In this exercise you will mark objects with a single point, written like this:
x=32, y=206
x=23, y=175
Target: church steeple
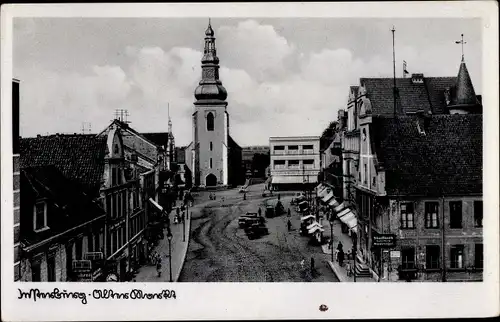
x=210, y=87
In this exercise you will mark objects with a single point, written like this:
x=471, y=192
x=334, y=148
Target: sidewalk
x=346, y=241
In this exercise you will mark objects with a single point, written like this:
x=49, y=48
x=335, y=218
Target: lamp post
x=331, y=234
x=169, y=237
x=183, y=224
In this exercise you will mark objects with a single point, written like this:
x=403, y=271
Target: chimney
x=417, y=78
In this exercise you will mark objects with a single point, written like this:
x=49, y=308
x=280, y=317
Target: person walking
x=341, y=257
x=158, y=267
x=260, y=212
x=289, y=213
x=340, y=246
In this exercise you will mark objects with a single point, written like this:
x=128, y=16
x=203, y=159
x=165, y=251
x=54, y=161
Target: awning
x=288, y=179
x=307, y=217
x=321, y=191
x=333, y=203
x=160, y=208
x=349, y=218
x=339, y=208
x=314, y=224
x=314, y=229
x=327, y=197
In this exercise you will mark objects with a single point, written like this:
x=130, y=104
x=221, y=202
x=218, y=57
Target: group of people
x=179, y=217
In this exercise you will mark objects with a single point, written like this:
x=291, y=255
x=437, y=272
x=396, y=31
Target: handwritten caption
x=97, y=294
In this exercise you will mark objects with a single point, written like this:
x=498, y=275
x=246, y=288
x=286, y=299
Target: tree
x=328, y=135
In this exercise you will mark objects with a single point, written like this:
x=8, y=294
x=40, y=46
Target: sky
x=284, y=76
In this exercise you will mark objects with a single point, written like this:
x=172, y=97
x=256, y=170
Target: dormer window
x=40, y=217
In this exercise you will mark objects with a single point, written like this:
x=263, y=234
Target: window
x=457, y=256
x=478, y=213
x=307, y=147
x=407, y=215
x=455, y=214
x=431, y=215
x=408, y=258
x=432, y=253
x=279, y=164
x=309, y=161
x=280, y=148
x=210, y=122
x=478, y=256
x=40, y=216
x=51, y=268
x=365, y=172
x=36, y=271
x=293, y=147
x=210, y=163
x=293, y=163
x=211, y=146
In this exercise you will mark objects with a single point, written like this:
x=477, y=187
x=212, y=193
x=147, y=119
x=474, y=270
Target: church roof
x=446, y=160
x=210, y=92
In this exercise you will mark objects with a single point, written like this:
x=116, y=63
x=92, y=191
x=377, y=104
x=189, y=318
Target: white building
x=295, y=161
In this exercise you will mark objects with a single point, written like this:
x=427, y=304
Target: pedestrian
x=289, y=213
x=158, y=268
x=341, y=257
x=289, y=225
x=340, y=246
x=260, y=212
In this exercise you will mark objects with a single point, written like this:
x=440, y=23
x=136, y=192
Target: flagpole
x=394, y=68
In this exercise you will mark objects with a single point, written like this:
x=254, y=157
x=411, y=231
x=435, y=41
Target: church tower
x=210, y=122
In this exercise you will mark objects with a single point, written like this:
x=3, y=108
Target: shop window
x=455, y=214
x=431, y=215
x=408, y=258
x=478, y=213
x=432, y=256
x=293, y=163
x=478, y=256
x=40, y=216
x=293, y=147
x=457, y=256
x=51, y=268
x=36, y=271
x=407, y=216
x=210, y=122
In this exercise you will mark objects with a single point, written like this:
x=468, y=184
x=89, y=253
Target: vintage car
x=249, y=218
x=256, y=230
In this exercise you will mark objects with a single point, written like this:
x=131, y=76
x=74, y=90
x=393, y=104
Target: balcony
x=308, y=152
x=278, y=152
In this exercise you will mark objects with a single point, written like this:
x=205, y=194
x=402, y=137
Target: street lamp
x=169, y=237
x=183, y=224
x=331, y=234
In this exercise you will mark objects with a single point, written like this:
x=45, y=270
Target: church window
x=211, y=146
x=210, y=122
x=210, y=163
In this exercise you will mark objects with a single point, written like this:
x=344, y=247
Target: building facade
x=295, y=161
x=413, y=170
x=213, y=157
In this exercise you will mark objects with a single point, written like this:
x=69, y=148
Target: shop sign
x=395, y=254
x=384, y=240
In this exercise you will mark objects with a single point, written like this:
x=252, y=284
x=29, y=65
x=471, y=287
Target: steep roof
x=158, y=138
x=68, y=205
x=232, y=143
x=446, y=160
x=465, y=94
x=79, y=157
x=427, y=96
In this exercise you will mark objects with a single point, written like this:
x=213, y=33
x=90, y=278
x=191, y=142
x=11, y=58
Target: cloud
x=273, y=89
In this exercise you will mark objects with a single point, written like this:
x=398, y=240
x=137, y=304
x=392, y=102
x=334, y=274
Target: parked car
x=250, y=217
x=256, y=230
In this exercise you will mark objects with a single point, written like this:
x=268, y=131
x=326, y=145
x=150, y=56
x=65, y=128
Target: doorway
x=211, y=180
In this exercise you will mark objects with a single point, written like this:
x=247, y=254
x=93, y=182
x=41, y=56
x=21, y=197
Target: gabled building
x=412, y=164
x=96, y=166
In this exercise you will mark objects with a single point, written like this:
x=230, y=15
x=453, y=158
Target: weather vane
x=462, y=42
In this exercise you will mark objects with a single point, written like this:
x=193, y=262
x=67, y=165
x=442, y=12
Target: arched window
x=210, y=122
x=210, y=163
x=211, y=146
